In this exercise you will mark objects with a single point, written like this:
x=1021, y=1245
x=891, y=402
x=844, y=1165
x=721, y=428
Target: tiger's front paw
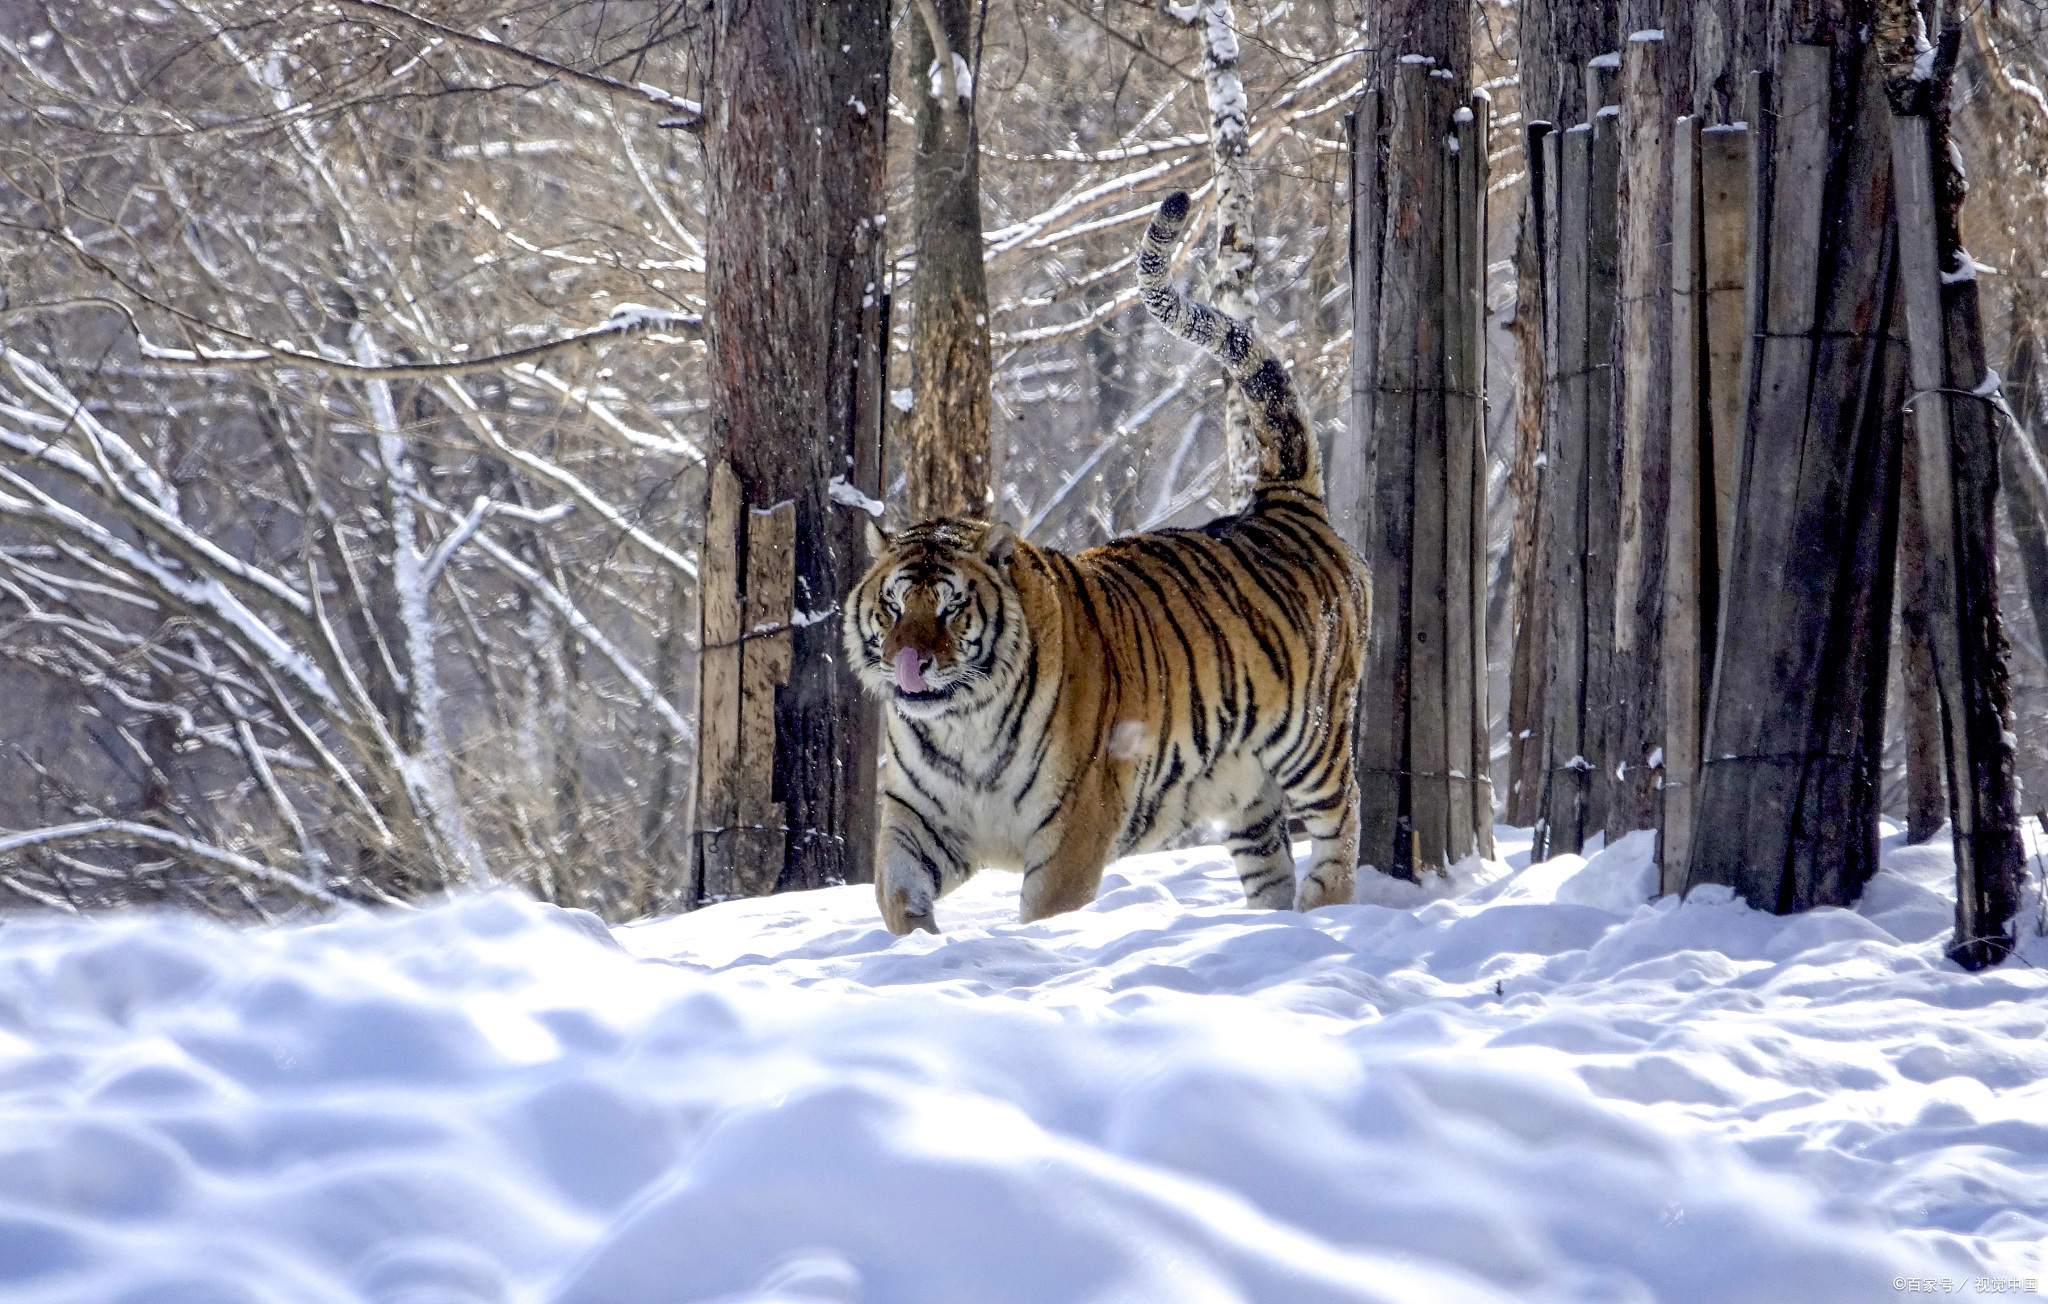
x=903, y=910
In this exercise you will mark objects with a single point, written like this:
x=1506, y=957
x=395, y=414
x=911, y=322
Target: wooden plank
x=1841, y=542
x=1349, y=489
x=1461, y=421
x=1920, y=288
x=1384, y=823
x=1529, y=741
x=759, y=842
x=864, y=734
x=1564, y=554
x=1955, y=452
x=1603, y=82
x=1990, y=896
x=1642, y=435
x=1428, y=745
x=1473, y=176
x=1919, y=690
x=1749, y=784
x=1724, y=168
x=1642, y=361
x=718, y=689
x=1603, y=462
x=1686, y=523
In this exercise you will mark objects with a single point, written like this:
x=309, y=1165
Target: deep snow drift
x=1536, y=1088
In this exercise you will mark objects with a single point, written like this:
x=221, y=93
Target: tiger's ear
x=878, y=542
x=997, y=543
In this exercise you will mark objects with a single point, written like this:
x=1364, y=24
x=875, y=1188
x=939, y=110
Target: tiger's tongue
x=909, y=677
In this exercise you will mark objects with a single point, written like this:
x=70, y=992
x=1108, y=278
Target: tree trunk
x=1427, y=29
x=793, y=150
x=1236, y=255
x=947, y=460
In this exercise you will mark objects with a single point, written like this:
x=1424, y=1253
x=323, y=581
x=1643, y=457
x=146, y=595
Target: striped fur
x=1082, y=707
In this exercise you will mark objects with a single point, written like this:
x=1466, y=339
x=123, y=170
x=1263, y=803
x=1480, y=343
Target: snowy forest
x=439, y=444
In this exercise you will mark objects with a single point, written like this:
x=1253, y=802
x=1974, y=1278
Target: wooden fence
x=1720, y=484
x=1410, y=488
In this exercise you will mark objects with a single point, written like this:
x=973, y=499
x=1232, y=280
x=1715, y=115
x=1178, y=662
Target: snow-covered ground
x=1539, y=1087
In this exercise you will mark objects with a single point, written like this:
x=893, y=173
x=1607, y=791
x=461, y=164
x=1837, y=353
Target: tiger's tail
x=1288, y=457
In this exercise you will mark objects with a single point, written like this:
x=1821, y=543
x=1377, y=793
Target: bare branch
x=110, y=830
x=626, y=319
x=691, y=113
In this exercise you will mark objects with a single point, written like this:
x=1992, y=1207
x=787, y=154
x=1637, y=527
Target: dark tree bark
x=1926, y=800
x=947, y=459
x=793, y=162
x=1729, y=39
x=1789, y=792
x=1407, y=330
x=1990, y=860
x=1427, y=28
x=1557, y=39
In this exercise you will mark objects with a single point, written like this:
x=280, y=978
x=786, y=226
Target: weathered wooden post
x=1709, y=268
x=1689, y=522
x=1643, y=362
x=1787, y=804
x=1418, y=357
x=745, y=657
x=1468, y=379
x=1581, y=491
x=1526, y=744
x=1956, y=456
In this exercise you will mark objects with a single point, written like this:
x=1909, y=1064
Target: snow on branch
x=690, y=114
x=111, y=830
x=569, y=482
x=661, y=325
x=1100, y=313
x=203, y=595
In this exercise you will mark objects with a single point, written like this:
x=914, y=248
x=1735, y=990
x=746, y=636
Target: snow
x=1612, y=59
x=629, y=317
x=1965, y=269
x=846, y=495
x=1526, y=1084
x=1923, y=62
x=1647, y=34
x=963, y=81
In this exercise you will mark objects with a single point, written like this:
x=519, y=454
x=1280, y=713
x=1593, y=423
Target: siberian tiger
x=1051, y=712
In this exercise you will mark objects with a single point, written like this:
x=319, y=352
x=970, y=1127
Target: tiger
x=1051, y=712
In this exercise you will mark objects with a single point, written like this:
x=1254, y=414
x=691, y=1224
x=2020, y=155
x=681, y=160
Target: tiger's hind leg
x=1332, y=822
x=1258, y=845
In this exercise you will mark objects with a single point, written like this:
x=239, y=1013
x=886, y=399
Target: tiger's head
x=937, y=625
